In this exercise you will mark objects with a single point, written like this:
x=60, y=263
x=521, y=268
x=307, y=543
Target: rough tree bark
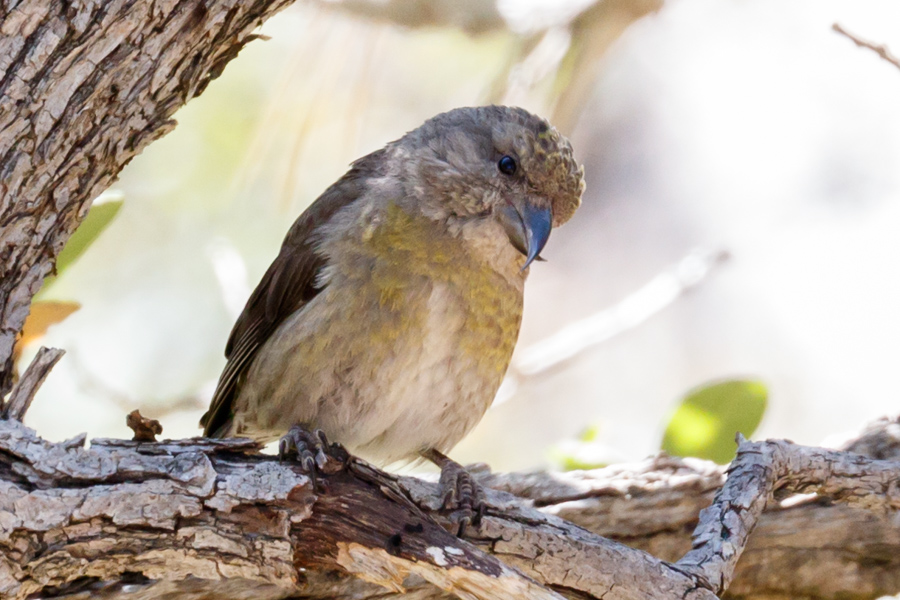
x=198, y=518
x=84, y=86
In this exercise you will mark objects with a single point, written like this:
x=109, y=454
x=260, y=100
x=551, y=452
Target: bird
x=388, y=319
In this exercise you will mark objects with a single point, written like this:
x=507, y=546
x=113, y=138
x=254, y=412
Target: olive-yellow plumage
x=390, y=315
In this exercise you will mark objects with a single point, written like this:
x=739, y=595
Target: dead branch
x=27, y=386
x=802, y=547
x=761, y=469
x=879, y=49
x=635, y=309
x=179, y=512
x=202, y=517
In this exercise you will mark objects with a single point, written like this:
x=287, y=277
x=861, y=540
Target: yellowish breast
x=413, y=255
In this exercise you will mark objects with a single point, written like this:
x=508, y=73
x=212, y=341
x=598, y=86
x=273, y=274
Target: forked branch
x=203, y=516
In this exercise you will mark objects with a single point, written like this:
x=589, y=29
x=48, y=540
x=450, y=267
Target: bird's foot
x=313, y=451
x=463, y=495
x=460, y=493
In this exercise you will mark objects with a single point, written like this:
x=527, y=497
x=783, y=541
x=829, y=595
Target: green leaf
x=585, y=452
x=97, y=219
x=576, y=455
x=705, y=423
x=102, y=212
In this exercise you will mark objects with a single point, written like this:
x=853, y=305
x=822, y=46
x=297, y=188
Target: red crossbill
x=388, y=318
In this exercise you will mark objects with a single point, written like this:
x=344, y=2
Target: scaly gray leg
x=460, y=492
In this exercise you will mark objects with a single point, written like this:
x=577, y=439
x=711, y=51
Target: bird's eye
x=507, y=165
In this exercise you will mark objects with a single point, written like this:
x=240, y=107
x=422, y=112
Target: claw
x=463, y=522
x=460, y=492
x=315, y=455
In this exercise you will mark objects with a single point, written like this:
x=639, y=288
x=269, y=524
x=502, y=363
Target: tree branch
x=84, y=87
x=761, y=469
x=25, y=389
x=802, y=547
x=879, y=49
x=203, y=517
x=121, y=511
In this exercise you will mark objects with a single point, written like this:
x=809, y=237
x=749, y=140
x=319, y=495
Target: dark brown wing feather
x=288, y=284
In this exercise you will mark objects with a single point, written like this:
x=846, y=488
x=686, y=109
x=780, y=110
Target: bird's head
x=494, y=166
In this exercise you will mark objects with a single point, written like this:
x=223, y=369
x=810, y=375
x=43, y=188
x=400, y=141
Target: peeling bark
x=802, y=547
x=125, y=514
x=212, y=518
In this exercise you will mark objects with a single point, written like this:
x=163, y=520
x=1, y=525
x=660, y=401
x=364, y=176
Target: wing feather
x=289, y=283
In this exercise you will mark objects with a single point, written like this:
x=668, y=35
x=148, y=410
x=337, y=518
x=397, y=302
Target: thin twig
x=881, y=50
x=24, y=391
x=654, y=296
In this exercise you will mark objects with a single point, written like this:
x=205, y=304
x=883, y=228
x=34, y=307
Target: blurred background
x=741, y=224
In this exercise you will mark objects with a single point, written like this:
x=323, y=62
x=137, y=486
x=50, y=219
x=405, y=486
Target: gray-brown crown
x=545, y=155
